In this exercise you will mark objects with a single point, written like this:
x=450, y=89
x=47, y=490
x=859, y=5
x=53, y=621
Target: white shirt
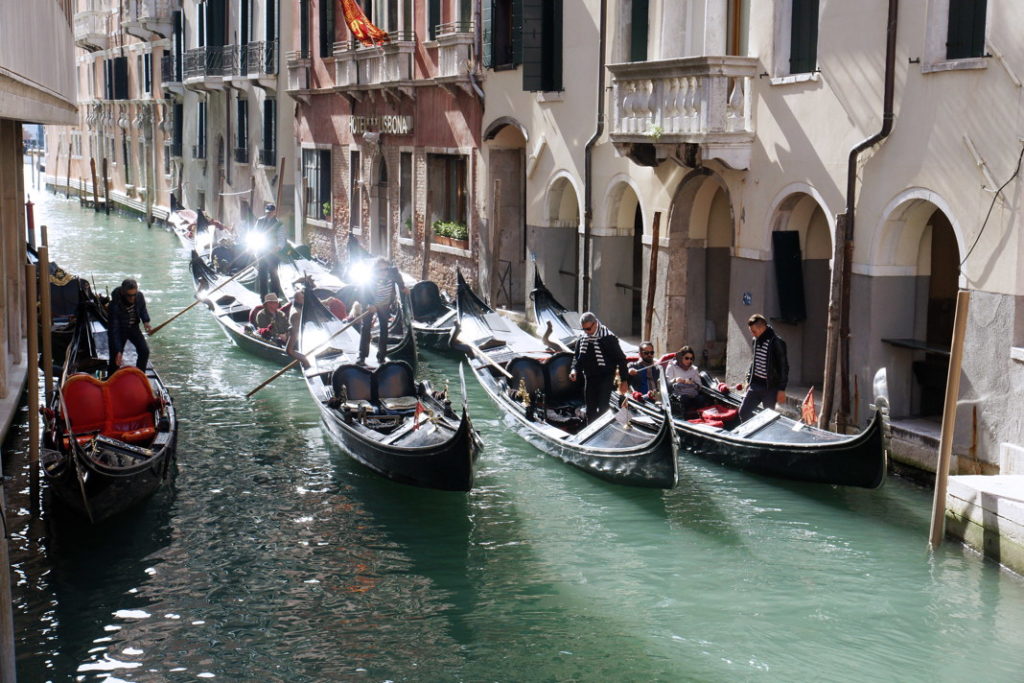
x=675, y=371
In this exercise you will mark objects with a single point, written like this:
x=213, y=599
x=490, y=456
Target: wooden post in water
x=106, y=188
x=46, y=316
x=34, y=282
x=30, y=222
x=652, y=276
x=95, y=191
x=956, y=355
x=68, y=195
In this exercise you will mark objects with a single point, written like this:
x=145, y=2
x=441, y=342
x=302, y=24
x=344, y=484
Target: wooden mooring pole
x=46, y=314
x=956, y=356
x=34, y=282
x=95, y=190
x=106, y=188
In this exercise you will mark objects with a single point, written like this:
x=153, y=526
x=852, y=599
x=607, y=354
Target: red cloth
x=363, y=30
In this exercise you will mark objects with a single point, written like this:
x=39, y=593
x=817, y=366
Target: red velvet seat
x=85, y=404
x=719, y=413
x=131, y=404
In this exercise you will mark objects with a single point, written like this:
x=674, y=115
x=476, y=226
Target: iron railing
x=267, y=157
x=241, y=155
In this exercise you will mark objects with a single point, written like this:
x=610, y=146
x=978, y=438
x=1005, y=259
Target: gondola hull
x=643, y=454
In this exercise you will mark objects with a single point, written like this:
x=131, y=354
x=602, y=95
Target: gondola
x=381, y=416
x=109, y=441
x=433, y=316
x=564, y=324
x=774, y=445
x=531, y=387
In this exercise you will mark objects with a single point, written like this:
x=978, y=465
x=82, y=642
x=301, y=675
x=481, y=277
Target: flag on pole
x=416, y=416
x=362, y=28
x=807, y=411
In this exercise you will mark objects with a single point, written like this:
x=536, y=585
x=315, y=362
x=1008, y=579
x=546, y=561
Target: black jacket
x=119, y=325
x=778, y=363
x=585, y=357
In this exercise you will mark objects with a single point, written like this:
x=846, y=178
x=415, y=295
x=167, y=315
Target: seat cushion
x=400, y=403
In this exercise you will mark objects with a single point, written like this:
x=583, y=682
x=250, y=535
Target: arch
x=564, y=207
x=896, y=240
x=621, y=201
x=497, y=125
x=558, y=241
x=786, y=200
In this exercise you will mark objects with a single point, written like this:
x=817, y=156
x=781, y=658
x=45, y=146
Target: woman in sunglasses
x=684, y=379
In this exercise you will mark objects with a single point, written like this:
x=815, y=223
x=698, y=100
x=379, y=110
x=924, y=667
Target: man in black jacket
x=769, y=368
x=597, y=356
x=127, y=309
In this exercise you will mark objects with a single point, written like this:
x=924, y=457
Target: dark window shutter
x=639, y=30
x=532, y=44
x=324, y=185
x=120, y=78
x=433, y=18
x=326, y=28
x=304, y=29
x=269, y=117
x=965, y=36
x=270, y=25
x=517, y=31
x=553, y=46
x=803, y=48
x=243, y=122
x=487, y=12
x=789, y=276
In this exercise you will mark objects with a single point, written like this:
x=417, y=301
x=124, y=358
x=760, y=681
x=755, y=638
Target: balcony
x=703, y=101
x=298, y=75
x=170, y=74
x=91, y=30
x=259, y=61
x=387, y=68
x=146, y=17
x=454, y=55
x=204, y=68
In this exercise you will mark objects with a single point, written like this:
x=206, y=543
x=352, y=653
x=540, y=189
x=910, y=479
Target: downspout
x=588, y=163
x=839, y=296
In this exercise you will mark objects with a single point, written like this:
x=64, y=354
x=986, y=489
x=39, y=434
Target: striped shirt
x=383, y=290
x=587, y=341
x=761, y=359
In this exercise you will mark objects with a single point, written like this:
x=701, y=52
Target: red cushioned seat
x=719, y=413
x=85, y=404
x=131, y=403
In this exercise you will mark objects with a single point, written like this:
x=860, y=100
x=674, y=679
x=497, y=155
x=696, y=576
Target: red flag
x=363, y=30
x=416, y=416
x=807, y=411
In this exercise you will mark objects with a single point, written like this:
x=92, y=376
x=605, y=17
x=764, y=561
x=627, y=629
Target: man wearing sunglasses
x=598, y=355
x=127, y=309
x=769, y=369
x=644, y=373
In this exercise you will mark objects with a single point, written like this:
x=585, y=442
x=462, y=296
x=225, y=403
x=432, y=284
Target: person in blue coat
x=127, y=309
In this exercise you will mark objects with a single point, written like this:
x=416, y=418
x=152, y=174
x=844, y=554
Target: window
x=126, y=155
x=447, y=191
x=242, y=136
x=405, y=227
x=542, y=45
x=178, y=128
x=803, y=45
x=355, y=175
x=200, y=148
x=269, y=150
x=639, y=30
x=433, y=18
x=115, y=72
x=304, y=29
x=316, y=176
x=326, y=28
x=965, y=36
x=147, y=73
x=503, y=21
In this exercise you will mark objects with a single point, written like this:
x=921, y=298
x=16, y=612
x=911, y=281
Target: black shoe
x=361, y=361
x=381, y=359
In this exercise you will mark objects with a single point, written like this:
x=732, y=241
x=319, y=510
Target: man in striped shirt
x=769, y=369
x=379, y=295
x=597, y=356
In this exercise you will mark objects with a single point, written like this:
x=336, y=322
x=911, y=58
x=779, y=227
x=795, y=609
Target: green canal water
x=274, y=557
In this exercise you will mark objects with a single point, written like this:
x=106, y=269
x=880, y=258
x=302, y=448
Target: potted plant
x=326, y=209
x=451, y=233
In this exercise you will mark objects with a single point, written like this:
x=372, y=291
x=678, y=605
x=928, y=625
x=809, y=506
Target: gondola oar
x=477, y=351
x=314, y=352
x=198, y=300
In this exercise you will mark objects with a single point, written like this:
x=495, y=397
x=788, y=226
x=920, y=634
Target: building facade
x=388, y=133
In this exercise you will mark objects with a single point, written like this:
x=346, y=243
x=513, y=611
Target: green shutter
x=803, y=49
x=965, y=37
x=553, y=29
x=640, y=30
x=517, y=32
x=433, y=18
x=532, y=44
x=487, y=11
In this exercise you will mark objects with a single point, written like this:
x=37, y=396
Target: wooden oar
x=314, y=352
x=198, y=300
x=477, y=351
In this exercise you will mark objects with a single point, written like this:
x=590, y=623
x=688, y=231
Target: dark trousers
x=138, y=340
x=596, y=392
x=758, y=393
x=366, y=331
x=266, y=276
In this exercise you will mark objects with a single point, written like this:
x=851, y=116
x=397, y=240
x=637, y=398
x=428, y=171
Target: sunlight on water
x=274, y=556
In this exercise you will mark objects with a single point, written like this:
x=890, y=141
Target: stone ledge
x=987, y=513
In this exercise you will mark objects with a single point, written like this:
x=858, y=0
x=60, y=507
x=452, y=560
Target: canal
x=274, y=557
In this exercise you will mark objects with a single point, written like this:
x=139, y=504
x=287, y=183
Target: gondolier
x=127, y=310
x=769, y=369
x=273, y=239
x=380, y=295
x=598, y=355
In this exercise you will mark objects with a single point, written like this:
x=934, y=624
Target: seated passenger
x=271, y=322
x=683, y=379
x=336, y=306
x=644, y=373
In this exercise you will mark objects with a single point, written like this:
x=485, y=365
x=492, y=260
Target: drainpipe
x=588, y=164
x=839, y=296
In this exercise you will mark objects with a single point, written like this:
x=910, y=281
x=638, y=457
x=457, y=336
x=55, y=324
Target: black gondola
x=531, y=387
x=109, y=441
x=769, y=443
x=381, y=417
x=564, y=324
x=433, y=316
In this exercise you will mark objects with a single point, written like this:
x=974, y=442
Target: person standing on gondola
x=127, y=309
x=271, y=231
x=598, y=355
x=769, y=369
x=379, y=296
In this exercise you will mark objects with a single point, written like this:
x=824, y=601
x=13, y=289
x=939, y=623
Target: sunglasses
x=589, y=328
x=647, y=353
x=132, y=296
x=687, y=357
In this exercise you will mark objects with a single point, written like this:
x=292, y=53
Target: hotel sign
x=392, y=124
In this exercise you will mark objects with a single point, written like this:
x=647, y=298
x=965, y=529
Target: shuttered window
x=269, y=132
x=639, y=30
x=316, y=173
x=542, y=45
x=242, y=115
x=433, y=18
x=803, y=49
x=965, y=36
x=326, y=28
x=503, y=23
x=304, y=29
